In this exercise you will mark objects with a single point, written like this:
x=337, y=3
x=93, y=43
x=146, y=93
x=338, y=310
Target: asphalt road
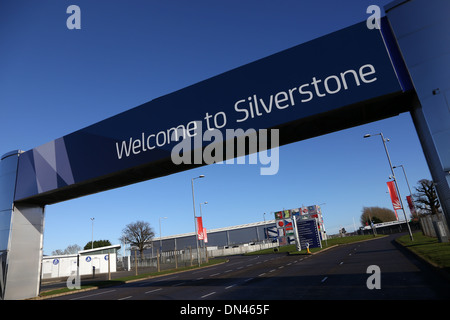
x=340, y=273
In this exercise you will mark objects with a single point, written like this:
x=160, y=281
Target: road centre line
x=324, y=279
x=153, y=290
x=206, y=269
x=159, y=280
x=215, y=274
x=125, y=298
x=230, y=286
x=178, y=284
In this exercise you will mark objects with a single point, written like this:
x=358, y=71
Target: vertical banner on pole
x=205, y=236
x=394, y=197
x=411, y=206
x=199, y=228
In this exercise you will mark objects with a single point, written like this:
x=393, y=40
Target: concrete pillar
x=21, y=237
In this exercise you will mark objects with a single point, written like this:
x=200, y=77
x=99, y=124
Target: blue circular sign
x=88, y=259
x=55, y=261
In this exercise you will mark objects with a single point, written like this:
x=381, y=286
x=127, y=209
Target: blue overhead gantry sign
x=330, y=83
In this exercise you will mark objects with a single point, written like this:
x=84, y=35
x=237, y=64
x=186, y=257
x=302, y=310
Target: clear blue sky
x=54, y=81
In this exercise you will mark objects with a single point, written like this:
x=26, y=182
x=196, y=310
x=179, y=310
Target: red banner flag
x=199, y=228
x=394, y=197
x=411, y=206
x=205, y=236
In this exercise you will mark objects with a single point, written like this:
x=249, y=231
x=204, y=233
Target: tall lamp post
x=160, y=234
x=195, y=222
x=92, y=241
x=393, y=177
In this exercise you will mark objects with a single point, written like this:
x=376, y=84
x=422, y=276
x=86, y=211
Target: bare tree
x=426, y=199
x=139, y=234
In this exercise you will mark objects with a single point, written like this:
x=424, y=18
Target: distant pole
x=109, y=266
x=92, y=242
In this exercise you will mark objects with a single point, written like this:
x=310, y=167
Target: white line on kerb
x=211, y=293
x=178, y=284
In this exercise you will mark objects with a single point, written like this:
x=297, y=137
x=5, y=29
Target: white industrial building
x=102, y=259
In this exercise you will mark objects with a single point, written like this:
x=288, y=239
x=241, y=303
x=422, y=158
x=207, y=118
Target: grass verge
x=429, y=249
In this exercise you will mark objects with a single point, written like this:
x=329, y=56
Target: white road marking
x=92, y=295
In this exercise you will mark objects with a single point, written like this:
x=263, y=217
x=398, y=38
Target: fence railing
x=183, y=258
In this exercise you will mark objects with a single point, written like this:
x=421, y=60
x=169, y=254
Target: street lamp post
x=195, y=222
x=393, y=177
x=206, y=202
x=160, y=234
